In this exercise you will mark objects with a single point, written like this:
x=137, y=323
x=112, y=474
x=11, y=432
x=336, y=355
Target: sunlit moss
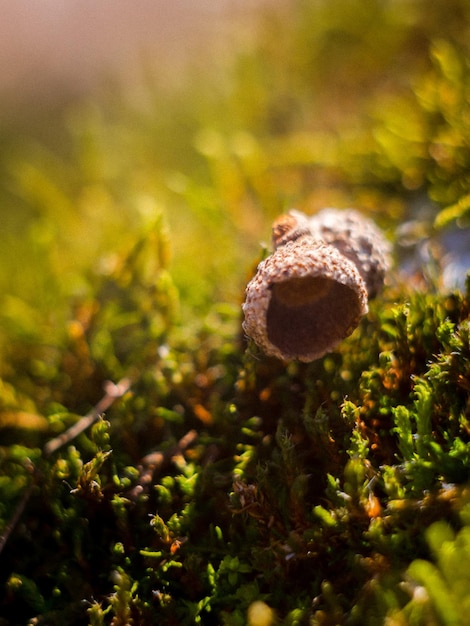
x=223, y=487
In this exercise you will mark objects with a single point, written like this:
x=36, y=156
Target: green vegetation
x=219, y=486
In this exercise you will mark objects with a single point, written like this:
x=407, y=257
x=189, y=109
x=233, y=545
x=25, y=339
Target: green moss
x=220, y=486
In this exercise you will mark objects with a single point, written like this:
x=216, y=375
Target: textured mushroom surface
x=304, y=299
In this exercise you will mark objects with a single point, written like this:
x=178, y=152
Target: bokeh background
x=219, y=116
x=101, y=106
x=52, y=49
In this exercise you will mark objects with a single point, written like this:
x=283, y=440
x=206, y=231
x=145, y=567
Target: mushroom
x=312, y=291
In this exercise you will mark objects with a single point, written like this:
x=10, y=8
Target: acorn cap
x=289, y=227
x=359, y=239
x=304, y=299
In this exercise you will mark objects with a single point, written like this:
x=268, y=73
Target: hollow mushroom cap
x=357, y=238
x=303, y=300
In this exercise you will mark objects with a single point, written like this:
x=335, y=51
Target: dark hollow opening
x=307, y=315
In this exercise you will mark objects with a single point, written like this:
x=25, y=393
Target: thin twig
x=112, y=393
x=155, y=461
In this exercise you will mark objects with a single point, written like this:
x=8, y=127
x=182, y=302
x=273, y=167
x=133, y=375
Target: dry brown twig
x=155, y=461
x=113, y=391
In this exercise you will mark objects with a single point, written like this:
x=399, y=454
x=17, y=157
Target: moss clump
x=220, y=480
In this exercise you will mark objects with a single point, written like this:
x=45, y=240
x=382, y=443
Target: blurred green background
x=239, y=113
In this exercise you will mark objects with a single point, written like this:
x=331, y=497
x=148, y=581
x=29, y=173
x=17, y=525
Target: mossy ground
x=335, y=492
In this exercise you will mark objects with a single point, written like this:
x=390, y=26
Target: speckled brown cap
x=289, y=227
x=357, y=238
x=304, y=299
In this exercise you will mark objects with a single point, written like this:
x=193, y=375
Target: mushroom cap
x=303, y=300
x=359, y=239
